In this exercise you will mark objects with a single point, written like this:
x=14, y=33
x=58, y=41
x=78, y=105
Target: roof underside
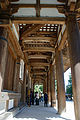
x=42, y=29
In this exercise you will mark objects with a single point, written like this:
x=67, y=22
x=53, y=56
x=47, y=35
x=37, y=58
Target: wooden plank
x=39, y=49
x=38, y=20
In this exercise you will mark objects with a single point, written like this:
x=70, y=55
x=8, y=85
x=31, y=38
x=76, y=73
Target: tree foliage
x=38, y=88
x=56, y=85
x=69, y=86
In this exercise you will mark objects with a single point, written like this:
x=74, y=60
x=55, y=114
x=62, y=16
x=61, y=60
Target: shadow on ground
x=39, y=113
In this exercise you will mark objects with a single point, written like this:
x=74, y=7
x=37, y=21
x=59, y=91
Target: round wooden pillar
x=60, y=82
x=74, y=50
x=48, y=89
x=3, y=54
x=17, y=72
x=23, y=89
x=52, y=84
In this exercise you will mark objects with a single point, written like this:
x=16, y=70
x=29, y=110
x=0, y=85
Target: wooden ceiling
x=39, y=35
x=38, y=42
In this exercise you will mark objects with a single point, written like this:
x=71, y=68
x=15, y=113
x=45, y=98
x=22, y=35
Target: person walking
x=45, y=99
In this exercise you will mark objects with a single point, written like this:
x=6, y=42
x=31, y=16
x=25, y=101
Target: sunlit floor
x=45, y=113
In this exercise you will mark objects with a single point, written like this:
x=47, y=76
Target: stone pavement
x=45, y=113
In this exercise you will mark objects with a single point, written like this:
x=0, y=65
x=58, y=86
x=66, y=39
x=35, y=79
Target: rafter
x=38, y=67
x=39, y=73
x=39, y=77
x=39, y=49
x=38, y=57
x=30, y=30
x=36, y=43
x=43, y=39
x=64, y=38
x=39, y=64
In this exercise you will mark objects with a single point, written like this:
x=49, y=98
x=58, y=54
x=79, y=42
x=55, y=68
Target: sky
x=66, y=76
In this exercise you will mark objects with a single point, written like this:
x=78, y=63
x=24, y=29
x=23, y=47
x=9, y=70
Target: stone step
x=11, y=113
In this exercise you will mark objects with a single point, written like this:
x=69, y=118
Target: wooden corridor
x=39, y=41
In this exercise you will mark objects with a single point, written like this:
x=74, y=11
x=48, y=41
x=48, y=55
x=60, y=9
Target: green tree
x=41, y=88
x=69, y=86
x=38, y=88
x=56, y=85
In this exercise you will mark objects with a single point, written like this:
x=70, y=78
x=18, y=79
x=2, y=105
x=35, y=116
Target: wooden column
x=44, y=87
x=23, y=90
x=17, y=73
x=3, y=54
x=60, y=82
x=46, y=84
x=10, y=71
x=29, y=86
x=48, y=92
x=74, y=49
x=52, y=84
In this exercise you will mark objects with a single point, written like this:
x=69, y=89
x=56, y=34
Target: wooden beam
x=30, y=30
x=34, y=5
x=38, y=8
x=63, y=1
x=4, y=23
x=4, y=4
x=39, y=73
x=38, y=57
x=37, y=77
x=39, y=49
x=47, y=32
x=13, y=0
x=72, y=6
x=38, y=20
x=39, y=64
x=64, y=38
x=36, y=43
x=78, y=6
x=43, y=39
x=38, y=67
x=15, y=42
x=38, y=80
